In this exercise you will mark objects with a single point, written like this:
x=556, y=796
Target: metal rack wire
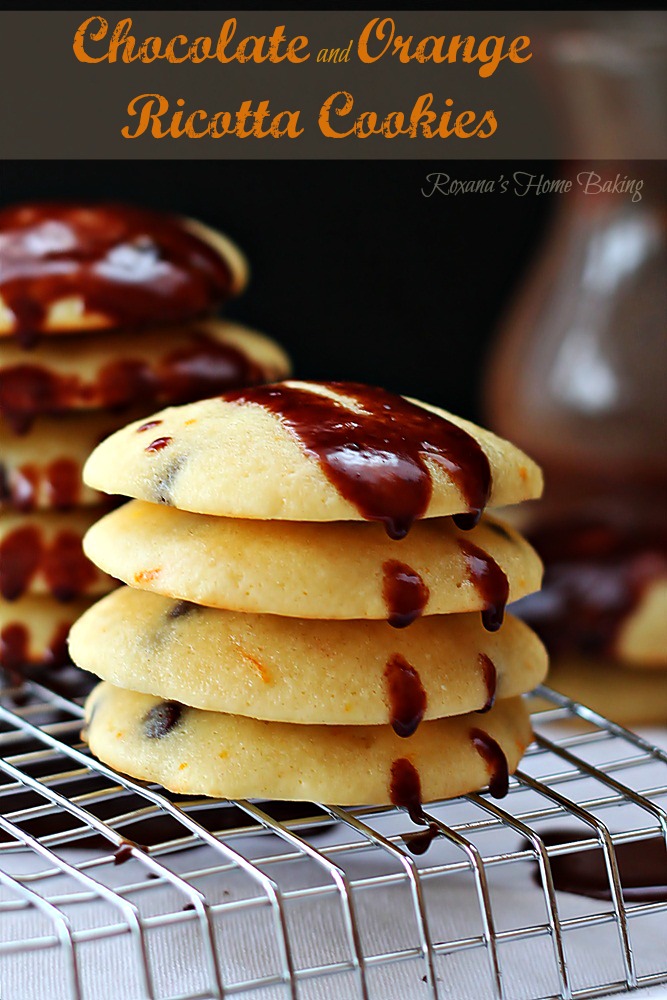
x=113, y=888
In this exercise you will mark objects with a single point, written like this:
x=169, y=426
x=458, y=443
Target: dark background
x=356, y=273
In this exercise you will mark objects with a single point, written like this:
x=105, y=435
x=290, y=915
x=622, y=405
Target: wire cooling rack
x=113, y=888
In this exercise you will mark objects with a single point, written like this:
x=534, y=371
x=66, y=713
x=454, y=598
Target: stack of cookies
x=105, y=312
x=315, y=599
x=603, y=611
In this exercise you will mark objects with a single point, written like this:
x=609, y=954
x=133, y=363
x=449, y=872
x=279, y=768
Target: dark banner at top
x=315, y=84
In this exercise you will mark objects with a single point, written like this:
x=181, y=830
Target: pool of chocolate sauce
x=642, y=867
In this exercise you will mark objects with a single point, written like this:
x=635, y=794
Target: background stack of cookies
x=304, y=618
x=105, y=311
x=603, y=611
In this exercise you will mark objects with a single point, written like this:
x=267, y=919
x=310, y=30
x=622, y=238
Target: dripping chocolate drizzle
x=15, y=657
x=490, y=582
x=59, y=480
x=375, y=455
x=490, y=677
x=196, y=370
x=496, y=761
x=405, y=593
x=405, y=694
x=25, y=552
x=134, y=266
x=405, y=790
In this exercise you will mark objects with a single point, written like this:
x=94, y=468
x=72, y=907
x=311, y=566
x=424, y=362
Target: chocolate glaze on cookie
x=496, y=761
x=60, y=480
x=490, y=582
x=490, y=676
x=405, y=694
x=204, y=367
x=15, y=650
x=405, y=790
x=132, y=266
x=405, y=593
x=374, y=454
x=25, y=552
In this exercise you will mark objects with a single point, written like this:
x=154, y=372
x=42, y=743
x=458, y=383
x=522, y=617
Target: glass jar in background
x=578, y=374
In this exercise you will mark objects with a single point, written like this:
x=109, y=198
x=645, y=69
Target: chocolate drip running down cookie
x=406, y=695
x=405, y=592
x=372, y=446
x=15, y=649
x=41, y=553
x=66, y=571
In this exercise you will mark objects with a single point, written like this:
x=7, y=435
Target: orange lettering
x=325, y=114
x=379, y=27
x=146, y=115
x=96, y=35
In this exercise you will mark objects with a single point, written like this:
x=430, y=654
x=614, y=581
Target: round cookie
x=42, y=469
x=33, y=631
x=641, y=641
x=208, y=753
x=327, y=571
x=304, y=671
x=42, y=554
x=303, y=451
x=605, y=587
x=126, y=368
x=68, y=267
x=630, y=697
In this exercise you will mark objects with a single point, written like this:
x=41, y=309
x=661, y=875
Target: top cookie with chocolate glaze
x=77, y=267
x=307, y=451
